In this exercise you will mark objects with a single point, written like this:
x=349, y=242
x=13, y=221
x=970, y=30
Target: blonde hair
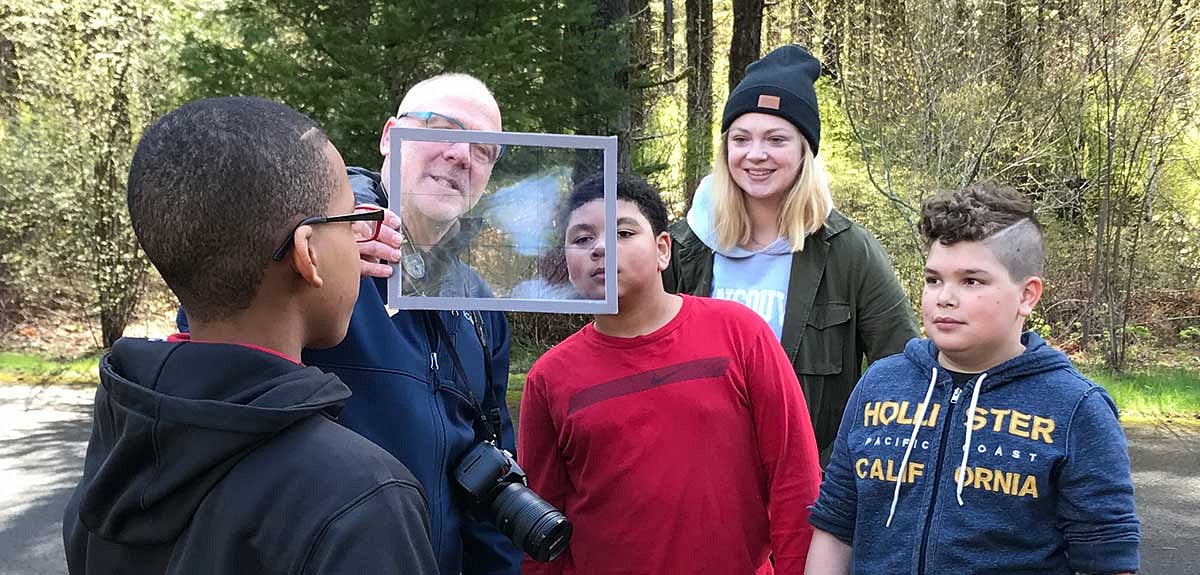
x=804, y=211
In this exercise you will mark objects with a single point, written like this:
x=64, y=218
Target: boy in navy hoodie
x=980, y=449
x=219, y=453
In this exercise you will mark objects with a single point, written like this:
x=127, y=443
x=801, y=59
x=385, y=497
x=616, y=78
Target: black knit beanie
x=780, y=84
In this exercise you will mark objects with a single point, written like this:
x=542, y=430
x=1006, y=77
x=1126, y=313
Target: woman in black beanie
x=763, y=231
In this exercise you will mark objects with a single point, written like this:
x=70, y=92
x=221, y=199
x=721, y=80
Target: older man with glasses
x=422, y=380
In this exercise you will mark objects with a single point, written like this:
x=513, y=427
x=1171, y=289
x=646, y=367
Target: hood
x=367, y=187
x=1038, y=357
x=702, y=222
x=171, y=419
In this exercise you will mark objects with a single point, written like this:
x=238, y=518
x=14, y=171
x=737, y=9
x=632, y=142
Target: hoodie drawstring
x=962, y=469
x=912, y=440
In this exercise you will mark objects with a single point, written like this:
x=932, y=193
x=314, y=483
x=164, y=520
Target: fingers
x=376, y=251
x=390, y=237
x=390, y=219
x=389, y=232
x=375, y=270
x=376, y=255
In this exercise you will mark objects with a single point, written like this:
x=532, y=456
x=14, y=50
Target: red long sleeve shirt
x=688, y=450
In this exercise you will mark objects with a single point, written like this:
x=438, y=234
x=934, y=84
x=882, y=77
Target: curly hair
x=996, y=215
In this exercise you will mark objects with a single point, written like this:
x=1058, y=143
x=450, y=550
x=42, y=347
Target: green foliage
x=1091, y=112
x=1038, y=324
x=1190, y=333
x=553, y=67
x=1138, y=331
x=347, y=65
x=82, y=95
x=891, y=220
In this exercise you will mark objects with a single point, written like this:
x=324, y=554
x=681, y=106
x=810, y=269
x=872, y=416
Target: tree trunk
x=119, y=269
x=1012, y=39
x=699, y=94
x=746, y=42
x=610, y=13
x=804, y=23
x=668, y=37
x=1039, y=44
x=8, y=75
x=641, y=52
x=834, y=21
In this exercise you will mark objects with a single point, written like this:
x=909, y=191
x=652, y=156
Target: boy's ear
x=385, y=142
x=1031, y=293
x=304, y=257
x=664, y=250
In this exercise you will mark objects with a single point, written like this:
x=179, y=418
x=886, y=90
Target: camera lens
x=534, y=525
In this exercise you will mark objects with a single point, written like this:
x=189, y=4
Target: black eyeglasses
x=367, y=222
x=481, y=153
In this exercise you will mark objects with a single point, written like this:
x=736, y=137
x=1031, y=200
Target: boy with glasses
x=219, y=453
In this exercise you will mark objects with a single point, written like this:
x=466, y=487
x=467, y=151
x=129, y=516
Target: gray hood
x=703, y=223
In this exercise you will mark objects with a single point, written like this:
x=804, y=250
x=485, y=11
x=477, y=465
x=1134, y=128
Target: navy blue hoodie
x=1046, y=486
x=219, y=459
x=409, y=400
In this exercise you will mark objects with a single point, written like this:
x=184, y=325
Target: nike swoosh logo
x=686, y=371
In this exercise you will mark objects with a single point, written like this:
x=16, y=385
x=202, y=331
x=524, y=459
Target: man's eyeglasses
x=481, y=153
x=366, y=223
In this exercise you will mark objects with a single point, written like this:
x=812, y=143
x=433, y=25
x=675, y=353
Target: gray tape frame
x=608, y=144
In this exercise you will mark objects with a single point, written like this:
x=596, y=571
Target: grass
x=1153, y=395
x=28, y=368
x=1156, y=394
x=521, y=357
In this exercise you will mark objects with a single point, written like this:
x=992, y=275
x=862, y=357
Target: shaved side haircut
x=995, y=215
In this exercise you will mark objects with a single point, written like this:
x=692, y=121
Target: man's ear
x=664, y=250
x=385, y=142
x=1031, y=294
x=304, y=258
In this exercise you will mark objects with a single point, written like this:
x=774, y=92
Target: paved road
x=43, y=437
x=1166, y=479
x=44, y=431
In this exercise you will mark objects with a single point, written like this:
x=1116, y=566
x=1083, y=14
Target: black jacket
x=214, y=458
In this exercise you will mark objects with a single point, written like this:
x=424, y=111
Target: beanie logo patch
x=769, y=102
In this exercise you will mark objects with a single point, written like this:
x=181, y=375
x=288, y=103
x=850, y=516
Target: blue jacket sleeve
x=1095, y=504
x=486, y=551
x=836, y=508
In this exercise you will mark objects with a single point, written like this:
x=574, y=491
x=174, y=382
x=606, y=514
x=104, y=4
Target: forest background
x=1088, y=106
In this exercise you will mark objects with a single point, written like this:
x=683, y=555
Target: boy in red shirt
x=673, y=434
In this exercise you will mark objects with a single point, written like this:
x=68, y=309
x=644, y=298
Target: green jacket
x=843, y=303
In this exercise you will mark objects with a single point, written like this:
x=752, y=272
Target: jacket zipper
x=937, y=475
x=435, y=381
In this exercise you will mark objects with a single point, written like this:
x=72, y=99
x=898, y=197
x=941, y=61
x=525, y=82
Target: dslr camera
x=495, y=483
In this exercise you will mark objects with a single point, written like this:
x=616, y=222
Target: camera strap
x=493, y=410
x=491, y=426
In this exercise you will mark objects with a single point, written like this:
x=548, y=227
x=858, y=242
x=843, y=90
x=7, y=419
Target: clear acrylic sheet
x=506, y=253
